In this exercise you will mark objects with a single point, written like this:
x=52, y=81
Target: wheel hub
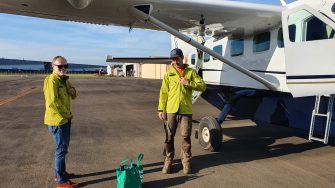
x=205, y=134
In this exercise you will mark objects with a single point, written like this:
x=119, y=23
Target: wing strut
x=143, y=12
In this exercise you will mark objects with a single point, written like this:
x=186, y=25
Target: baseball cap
x=176, y=53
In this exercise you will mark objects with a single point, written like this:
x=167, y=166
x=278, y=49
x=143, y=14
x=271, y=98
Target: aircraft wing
x=141, y=60
x=225, y=17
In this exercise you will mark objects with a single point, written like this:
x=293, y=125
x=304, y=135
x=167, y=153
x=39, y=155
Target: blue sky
x=41, y=39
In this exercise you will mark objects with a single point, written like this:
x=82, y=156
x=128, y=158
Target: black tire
x=210, y=134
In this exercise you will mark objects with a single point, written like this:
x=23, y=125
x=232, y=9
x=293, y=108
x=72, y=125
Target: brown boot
x=167, y=167
x=187, y=168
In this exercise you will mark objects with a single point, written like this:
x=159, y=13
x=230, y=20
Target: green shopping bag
x=130, y=176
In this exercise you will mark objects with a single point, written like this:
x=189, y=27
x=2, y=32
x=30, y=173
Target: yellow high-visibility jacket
x=174, y=96
x=57, y=100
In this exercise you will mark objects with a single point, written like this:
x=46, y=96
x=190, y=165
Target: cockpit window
x=308, y=27
x=333, y=8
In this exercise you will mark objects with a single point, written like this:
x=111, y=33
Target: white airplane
x=262, y=62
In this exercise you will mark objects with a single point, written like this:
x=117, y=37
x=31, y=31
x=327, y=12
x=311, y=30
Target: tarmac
x=116, y=118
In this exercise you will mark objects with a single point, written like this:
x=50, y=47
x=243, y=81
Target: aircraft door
x=309, y=52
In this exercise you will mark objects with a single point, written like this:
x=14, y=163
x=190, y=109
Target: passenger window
x=236, y=47
x=217, y=49
x=317, y=30
x=193, y=59
x=261, y=42
x=280, y=38
x=206, y=57
x=308, y=27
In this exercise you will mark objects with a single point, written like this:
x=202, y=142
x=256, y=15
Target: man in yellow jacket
x=58, y=93
x=175, y=106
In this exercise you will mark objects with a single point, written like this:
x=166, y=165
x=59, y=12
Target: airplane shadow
x=83, y=184
x=254, y=143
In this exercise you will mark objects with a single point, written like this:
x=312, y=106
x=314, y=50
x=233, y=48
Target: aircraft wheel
x=210, y=134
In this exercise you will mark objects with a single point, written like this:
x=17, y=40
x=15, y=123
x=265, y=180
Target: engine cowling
x=80, y=4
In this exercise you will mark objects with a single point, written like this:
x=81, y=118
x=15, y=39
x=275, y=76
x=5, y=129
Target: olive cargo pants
x=185, y=121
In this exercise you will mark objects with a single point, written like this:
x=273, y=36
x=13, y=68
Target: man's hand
x=161, y=116
x=72, y=92
x=68, y=117
x=183, y=81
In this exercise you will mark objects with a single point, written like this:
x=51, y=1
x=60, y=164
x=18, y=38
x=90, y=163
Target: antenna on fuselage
x=175, y=42
x=283, y=3
x=131, y=26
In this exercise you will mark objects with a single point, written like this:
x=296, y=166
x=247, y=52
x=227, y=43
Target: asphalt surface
x=116, y=119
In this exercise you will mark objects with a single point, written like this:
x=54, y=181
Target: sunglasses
x=62, y=66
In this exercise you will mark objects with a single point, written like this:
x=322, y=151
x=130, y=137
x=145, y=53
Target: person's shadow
x=112, y=172
x=248, y=144
x=83, y=184
x=157, y=183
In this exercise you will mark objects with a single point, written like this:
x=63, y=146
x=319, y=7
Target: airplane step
x=315, y=113
x=317, y=139
x=323, y=115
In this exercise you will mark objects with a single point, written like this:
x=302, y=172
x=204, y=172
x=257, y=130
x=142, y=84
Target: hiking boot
x=187, y=168
x=167, y=167
x=68, y=184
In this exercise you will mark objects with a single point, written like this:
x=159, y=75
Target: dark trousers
x=185, y=122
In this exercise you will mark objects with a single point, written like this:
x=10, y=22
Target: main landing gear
x=210, y=134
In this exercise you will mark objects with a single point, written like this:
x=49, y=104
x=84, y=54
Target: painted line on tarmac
x=20, y=95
